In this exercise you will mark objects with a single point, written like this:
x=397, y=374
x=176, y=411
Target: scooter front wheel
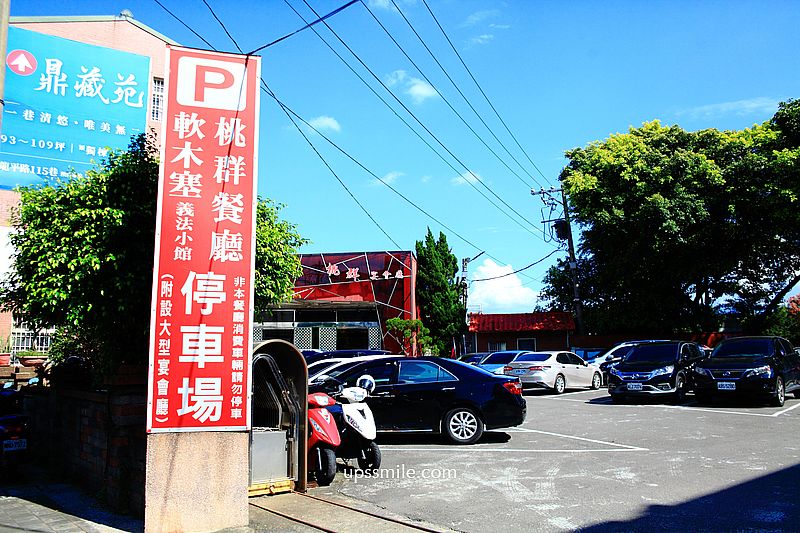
x=372, y=457
x=326, y=467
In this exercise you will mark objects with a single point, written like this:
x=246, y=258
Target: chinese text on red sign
x=201, y=319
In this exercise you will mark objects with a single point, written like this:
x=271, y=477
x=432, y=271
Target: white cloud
x=387, y=4
x=502, y=295
x=752, y=106
x=465, y=178
x=419, y=90
x=389, y=178
x=500, y=26
x=425, y=179
x=480, y=16
x=482, y=39
x=325, y=123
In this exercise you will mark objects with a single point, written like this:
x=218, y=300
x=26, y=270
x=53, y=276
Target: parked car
x=341, y=354
x=496, y=361
x=318, y=370
x=663, y=368
x=615, y=354
x=435, y=395
x=588, y=354
x=765, y=367
x=473, y=358
x=556, y=371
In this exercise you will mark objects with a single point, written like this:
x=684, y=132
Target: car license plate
x=14, y=445
x=519, y=371
x=726, y=385
x=634, y=386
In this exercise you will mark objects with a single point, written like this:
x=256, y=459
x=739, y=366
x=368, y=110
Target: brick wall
x=95, y=439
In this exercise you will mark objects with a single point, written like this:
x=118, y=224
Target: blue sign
x=66, y=105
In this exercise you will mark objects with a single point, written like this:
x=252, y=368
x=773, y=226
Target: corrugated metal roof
x=551, y=321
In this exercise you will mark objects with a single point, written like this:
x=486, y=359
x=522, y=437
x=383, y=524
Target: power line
x=460, y=92
x=481, y=90
x=335, y=175
x=470, y=182
x=320, y=19
x=290, y=112
x=446, y=101
x=521, y=269
x=173, y=15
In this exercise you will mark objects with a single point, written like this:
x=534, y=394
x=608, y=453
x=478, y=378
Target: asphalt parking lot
x=580, y=462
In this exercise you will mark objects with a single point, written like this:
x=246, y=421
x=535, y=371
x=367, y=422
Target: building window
x=526, y=344
x=157, y=107
x=497, y=346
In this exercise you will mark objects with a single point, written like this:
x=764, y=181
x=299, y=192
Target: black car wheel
x=462, y=426
x=680, y=389
x=797, y=394
x=780, y=393
x=371, y=459
x=560, y=385
x=325, y=471
x=596, y=381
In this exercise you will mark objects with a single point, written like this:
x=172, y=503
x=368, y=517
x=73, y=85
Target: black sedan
x=431, y=394
x=765, y=367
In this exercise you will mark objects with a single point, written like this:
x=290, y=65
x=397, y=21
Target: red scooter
x=323, y=438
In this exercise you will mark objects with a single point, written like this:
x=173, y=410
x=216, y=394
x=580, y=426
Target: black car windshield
x=744, y=348
x=652, y=353
x=535, y=357
x=499, y=358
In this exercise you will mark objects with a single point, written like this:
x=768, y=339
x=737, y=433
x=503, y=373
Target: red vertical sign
x=201, y=317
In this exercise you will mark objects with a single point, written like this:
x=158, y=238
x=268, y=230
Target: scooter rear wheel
x=326, y=469
x=371, y=459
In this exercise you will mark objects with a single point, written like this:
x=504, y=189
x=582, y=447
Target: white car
x=326, y=367
x=554, y=370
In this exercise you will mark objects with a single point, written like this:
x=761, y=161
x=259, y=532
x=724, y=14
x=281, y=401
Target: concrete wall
x=196, y=481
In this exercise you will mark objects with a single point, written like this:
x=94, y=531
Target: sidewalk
x=32, y=502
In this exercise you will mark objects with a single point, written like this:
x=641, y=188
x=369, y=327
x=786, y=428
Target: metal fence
x=24, y=340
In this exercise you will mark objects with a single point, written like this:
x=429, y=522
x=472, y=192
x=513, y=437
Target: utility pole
x=464, y=288
x=564, y=231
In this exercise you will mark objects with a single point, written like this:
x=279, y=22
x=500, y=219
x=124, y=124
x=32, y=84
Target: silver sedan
x=555, y=370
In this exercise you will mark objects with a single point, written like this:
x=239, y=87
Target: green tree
x=411, y=333
x=83, y=252
x=438, y=293
x=678, y=226
x=277, y=262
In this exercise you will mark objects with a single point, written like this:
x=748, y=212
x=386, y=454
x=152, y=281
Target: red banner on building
x=201, y=317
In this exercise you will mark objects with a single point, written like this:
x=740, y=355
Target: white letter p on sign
x=211, y=83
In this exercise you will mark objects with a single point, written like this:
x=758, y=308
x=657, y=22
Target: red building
x=521, y=331
x=343, y=300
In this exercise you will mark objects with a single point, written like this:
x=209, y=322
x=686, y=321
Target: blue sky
x=560, y=74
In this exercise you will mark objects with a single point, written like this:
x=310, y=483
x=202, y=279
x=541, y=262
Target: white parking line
x=686, y=407
x=512, y=450
x=795, y=406
x=584, y=439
